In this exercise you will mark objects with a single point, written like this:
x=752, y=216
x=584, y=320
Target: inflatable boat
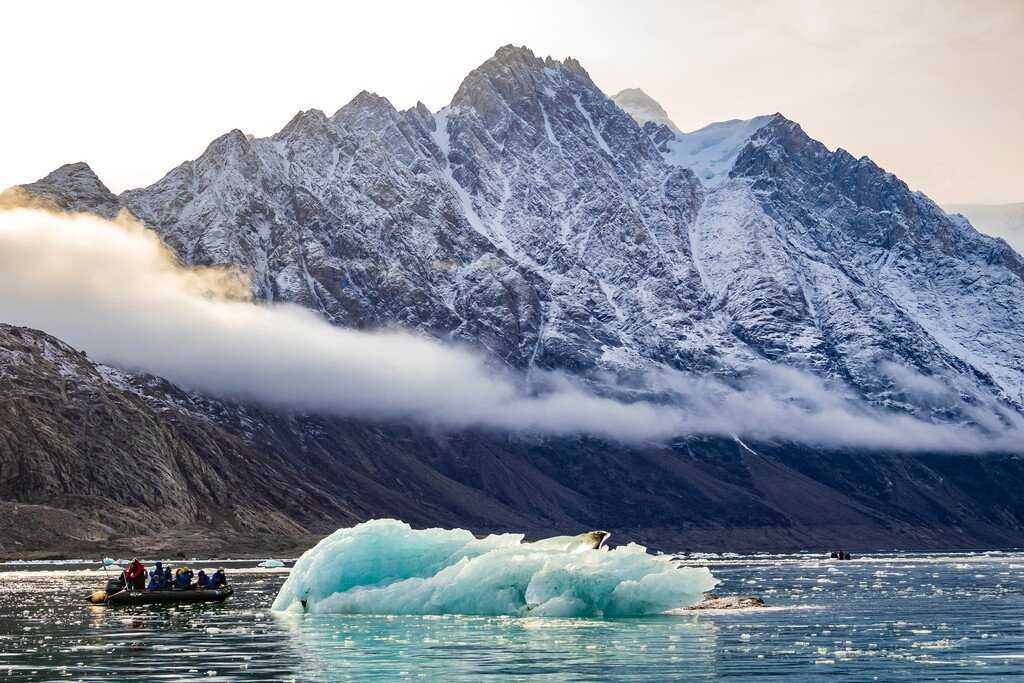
x=171, y=597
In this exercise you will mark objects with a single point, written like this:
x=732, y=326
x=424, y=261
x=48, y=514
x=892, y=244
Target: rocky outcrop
x=716, y=602
x=72, y=187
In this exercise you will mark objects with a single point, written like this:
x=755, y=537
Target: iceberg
x=385, y=566
x=270, y=564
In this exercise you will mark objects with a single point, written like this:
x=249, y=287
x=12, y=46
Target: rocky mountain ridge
x=533, y=218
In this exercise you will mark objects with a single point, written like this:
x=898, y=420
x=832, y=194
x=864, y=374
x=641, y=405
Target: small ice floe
x=270, y=564
x=941, y=644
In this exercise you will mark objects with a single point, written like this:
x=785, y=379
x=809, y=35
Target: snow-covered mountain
x=534, y=218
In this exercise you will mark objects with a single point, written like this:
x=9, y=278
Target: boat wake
x=386, y=567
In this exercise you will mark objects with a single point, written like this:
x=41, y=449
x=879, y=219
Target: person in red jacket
x=135, y=575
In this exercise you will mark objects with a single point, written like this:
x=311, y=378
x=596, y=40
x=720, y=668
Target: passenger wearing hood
x=135, y=575
x=156, y=578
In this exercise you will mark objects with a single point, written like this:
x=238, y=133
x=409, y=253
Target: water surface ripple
x=913, y=617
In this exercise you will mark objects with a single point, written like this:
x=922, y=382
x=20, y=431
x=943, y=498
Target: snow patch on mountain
x=710, y=152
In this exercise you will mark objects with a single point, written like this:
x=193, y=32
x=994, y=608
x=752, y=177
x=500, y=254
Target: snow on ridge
x=602, y=143
x=710, y=152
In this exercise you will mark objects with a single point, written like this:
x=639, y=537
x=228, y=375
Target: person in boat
x=183, y=578
x=202, y=580
x=219, y=579
x=156, y=578
x=135, y=575
x=168, y=579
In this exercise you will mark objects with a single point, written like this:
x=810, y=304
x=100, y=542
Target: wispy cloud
x=114, y=290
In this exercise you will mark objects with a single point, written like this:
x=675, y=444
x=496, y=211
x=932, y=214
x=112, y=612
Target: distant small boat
x=171, y=597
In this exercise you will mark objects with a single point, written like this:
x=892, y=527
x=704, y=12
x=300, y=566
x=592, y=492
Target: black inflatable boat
x=171, y=597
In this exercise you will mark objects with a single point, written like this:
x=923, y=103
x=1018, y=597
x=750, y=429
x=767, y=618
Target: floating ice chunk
x=269, y=564
x=386, y=567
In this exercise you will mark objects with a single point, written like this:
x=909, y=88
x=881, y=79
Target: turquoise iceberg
x=386, y=567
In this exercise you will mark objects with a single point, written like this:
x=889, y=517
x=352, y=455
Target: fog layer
x=112, y=289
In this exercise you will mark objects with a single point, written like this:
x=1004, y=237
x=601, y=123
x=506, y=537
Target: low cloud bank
x=113, y=289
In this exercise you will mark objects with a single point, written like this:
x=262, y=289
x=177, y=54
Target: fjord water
x=886, y=617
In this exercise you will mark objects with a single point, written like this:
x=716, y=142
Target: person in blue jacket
x=219, y=579
x=202, y=580
x=183, y=578
x=156, y=578
x=168, y=579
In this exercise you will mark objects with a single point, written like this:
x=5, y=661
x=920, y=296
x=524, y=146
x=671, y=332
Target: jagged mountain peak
x=77, y=173
x=366, y=101
x=513, y=74
x=303, y=123
x=548, y=104
x=510, y=54
x=76, y=168
x=232, y=144
x=519, y=57
x=366, y=111
x=72, y=187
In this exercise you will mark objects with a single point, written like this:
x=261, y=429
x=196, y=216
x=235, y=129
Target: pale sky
x=930, y=90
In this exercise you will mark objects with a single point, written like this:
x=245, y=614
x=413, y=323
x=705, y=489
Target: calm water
x=898, y=617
